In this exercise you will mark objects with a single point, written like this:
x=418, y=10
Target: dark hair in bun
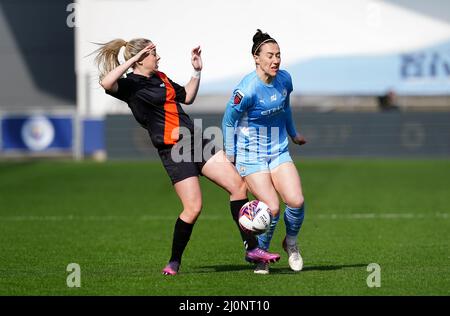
x=259, y=39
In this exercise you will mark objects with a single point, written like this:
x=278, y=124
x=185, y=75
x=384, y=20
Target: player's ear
x=256, y=57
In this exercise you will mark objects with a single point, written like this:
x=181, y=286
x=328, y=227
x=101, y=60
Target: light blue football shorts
x=266, y=163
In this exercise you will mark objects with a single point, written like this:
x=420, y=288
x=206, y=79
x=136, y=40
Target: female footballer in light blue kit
x=256, y=126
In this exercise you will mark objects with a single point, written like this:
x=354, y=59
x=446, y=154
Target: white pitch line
x=58, y=218
x=339, y=216
x=381, y=216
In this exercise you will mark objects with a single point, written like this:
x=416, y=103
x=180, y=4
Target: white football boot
x=295, y=259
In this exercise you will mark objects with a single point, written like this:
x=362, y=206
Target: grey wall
x=389, y=134
x=36, y=54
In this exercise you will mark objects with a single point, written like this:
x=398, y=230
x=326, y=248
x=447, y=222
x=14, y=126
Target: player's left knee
x=295, y=201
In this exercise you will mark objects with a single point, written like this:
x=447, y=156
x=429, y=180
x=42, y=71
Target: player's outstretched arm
x=192, y=86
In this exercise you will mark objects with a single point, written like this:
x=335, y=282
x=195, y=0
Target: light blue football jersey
x=258, y=119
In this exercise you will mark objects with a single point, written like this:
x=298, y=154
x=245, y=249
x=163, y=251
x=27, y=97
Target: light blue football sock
x=264, y=239
x=293, y=219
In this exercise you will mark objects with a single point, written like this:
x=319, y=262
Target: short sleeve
x=240, y=101
x=287, y=81
x=236, y=106
x=125, y=88
x=180, y=92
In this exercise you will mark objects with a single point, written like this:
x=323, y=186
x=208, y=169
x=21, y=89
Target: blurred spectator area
x=370, y=103
x=329, y=103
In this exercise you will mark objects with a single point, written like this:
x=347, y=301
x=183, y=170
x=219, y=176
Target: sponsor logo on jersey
x=272, y=111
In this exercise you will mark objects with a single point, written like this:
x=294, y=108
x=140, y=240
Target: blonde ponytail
x=107, y=55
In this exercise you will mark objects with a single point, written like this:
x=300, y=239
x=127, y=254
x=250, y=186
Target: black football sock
x=181, y=235
x=249, y=240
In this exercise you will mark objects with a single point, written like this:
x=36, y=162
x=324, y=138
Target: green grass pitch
x=116, y=220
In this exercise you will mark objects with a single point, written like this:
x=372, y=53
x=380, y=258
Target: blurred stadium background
x=343, y=57
x=371, y=80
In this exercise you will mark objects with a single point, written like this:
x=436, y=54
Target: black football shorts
x=180, y=164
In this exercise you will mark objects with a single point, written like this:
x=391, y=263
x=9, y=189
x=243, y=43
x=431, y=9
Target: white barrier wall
x=318, y=40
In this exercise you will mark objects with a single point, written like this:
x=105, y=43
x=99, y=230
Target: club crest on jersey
x=238, y=95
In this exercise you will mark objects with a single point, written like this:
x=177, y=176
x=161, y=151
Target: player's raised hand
x=196, y=58
x=143, y=53
x=299, y=139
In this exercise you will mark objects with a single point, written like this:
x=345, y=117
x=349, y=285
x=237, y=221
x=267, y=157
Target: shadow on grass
x=222, y=268
x=274, y=268
x=334, y=267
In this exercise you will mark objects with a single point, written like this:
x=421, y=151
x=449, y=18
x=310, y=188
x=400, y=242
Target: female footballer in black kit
x=155, y=100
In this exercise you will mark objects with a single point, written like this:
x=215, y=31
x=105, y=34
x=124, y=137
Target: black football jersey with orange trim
x=155, y=104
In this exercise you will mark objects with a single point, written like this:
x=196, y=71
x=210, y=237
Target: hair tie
x=125, y=45
x=121, y=55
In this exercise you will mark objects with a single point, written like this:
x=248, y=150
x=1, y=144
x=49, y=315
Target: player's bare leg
x=288, y=184
x=189, y=192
